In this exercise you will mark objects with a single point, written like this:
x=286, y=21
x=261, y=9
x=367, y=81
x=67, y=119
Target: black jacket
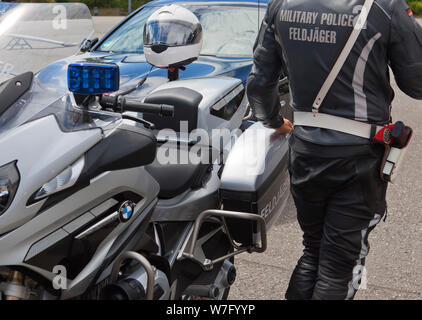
x=305, y=37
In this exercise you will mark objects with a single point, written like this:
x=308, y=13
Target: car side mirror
x=88, y=44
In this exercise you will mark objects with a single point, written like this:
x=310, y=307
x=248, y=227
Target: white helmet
x=172, y=37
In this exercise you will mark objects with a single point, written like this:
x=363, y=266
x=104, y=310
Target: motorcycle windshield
x=32, y=37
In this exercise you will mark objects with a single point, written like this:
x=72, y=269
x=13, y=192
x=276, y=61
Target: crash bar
x=228, y=214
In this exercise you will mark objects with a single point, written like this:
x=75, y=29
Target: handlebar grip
x=167, y=110
x=108, y=101
x=164, y=110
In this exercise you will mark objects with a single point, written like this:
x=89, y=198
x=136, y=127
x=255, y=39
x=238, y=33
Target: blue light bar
x=93, y=79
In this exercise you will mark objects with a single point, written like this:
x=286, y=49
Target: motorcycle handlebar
x=164, y=110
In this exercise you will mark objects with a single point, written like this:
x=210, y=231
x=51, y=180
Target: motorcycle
x=88, y=207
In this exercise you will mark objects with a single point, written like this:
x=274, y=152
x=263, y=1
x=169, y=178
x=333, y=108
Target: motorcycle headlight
x=66, y=179
x=9, y=181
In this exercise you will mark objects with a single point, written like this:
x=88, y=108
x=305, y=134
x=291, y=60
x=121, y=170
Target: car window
x=128, y=38
x=228, y=30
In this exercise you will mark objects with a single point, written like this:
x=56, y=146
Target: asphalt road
x=394, y=264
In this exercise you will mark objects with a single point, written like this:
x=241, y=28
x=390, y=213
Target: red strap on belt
x=384, y=135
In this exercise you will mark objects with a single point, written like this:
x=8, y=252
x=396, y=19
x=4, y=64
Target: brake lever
x=149, y=125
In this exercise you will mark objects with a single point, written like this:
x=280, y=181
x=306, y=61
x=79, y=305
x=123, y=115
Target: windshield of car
x=228, y=30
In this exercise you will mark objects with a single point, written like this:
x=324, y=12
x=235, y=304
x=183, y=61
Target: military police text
x=317, y=34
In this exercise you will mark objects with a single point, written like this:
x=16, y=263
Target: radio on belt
x=396, y=139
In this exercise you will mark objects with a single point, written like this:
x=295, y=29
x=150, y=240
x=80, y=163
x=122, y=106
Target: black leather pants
x=339, y=201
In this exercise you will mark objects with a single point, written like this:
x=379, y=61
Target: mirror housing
x=88, y=44
x=93, y=78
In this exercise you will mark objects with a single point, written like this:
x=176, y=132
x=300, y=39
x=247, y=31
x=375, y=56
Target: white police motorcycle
x=88, y=209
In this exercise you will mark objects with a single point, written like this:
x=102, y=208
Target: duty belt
x=327, y=121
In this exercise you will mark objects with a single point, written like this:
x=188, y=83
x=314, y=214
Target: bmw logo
x=126, y=210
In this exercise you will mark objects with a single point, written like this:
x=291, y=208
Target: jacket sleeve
x=262, y=84
x=405, y=50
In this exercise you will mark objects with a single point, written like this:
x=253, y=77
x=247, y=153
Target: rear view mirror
x=93, y=78
x=88, y=44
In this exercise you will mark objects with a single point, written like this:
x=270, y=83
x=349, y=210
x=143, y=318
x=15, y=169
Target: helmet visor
x=172, y=33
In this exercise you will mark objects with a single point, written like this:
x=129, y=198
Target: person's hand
x=287, y=127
